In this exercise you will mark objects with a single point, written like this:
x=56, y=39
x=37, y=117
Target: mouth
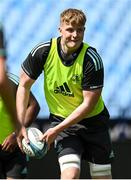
x=75, y=41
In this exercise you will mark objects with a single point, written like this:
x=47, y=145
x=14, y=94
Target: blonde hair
x=73, y=16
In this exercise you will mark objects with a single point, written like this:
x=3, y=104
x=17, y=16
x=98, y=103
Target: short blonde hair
x=73, y=16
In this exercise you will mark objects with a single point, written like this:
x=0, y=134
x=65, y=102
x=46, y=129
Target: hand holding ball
x=35, y=148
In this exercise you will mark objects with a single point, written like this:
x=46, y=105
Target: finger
x=9, y=149
x=42, y=137
x=4, y=145
x=24, y=133
x=27, y=139
x=20, y=144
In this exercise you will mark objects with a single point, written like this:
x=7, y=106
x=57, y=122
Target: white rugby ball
x=35, y=148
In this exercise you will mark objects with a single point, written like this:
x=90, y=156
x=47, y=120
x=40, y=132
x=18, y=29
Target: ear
x=60, y=30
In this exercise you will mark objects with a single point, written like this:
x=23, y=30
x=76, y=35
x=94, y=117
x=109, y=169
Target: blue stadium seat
x=28, y=23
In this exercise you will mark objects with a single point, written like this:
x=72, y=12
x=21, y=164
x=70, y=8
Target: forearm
x=76, y=116
x=31, y=113
x=22, y=99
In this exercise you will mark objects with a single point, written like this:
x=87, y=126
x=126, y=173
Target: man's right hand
x=22, y=133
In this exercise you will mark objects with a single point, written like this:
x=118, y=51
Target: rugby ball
x=35, y=148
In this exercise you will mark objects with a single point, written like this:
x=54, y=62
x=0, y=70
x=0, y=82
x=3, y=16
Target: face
x=71, y=36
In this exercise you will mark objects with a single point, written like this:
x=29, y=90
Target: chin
x=75, y=47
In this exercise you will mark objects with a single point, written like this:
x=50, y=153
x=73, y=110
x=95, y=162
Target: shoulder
x=41, y=48
x=93, y=57
x=14, y=81
x=12, y=77
x=34, y=62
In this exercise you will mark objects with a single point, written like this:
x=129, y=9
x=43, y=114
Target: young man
x=73, y=82
x=13, y=164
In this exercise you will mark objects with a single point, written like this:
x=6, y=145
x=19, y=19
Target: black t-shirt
x=93, y=72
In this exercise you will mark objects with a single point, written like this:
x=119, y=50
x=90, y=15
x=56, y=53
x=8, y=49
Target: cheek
x=64, y=33
x=66, y=36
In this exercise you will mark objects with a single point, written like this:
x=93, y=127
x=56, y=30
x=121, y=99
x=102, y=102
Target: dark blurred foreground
x=48, y=168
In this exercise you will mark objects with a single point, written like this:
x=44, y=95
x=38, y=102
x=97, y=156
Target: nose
x=75, y=34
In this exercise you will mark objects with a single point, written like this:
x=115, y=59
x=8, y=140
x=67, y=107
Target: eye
x=80, y=30
x=70, y=30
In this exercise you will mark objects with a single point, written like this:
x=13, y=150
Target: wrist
x=59, y=128
x=14, y=134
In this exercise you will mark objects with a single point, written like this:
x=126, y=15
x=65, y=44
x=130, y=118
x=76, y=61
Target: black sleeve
x=34, y=63
x=93, y=71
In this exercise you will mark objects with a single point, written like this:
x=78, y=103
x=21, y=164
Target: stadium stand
x=29, y=22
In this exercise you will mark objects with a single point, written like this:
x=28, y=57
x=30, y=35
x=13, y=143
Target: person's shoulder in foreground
x=6, y=91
